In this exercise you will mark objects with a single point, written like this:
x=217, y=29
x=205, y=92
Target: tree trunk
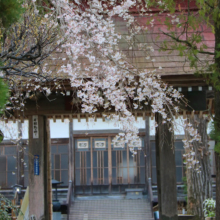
x=217, y=159
x=199, y=185
x=217, y=155
x=217, y=109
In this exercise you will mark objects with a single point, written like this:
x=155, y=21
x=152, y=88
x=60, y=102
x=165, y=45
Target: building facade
x=94, y=163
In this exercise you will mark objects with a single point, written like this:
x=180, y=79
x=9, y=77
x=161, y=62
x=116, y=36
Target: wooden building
x=91, y=161
x=95, y=163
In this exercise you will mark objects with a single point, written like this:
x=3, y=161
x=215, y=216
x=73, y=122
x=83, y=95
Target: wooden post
x=166, y=171
x=110, y=164
x=48, y=173
x=91, y=158
x=71, y=159
x=128, y=177
x=20, y=157
x=147, y=150
x=12, y=211
x=39, y=185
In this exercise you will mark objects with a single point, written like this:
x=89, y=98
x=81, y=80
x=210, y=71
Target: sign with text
x=35, y=127
x=36, y=165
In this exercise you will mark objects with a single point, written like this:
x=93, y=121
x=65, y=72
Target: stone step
x=110, y=209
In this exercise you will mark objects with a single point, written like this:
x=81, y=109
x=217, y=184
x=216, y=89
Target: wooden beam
x=210, y=104
x=22, y=119
x=184, y=114
x=62, y=118
x=192, y=114
x=54, y=118
x=152, y=116
x=78, y=116
x=183, y=77
x=144, y=116
x=200, y=114
x=103, y=117
x=71, y=118
x=135, y=115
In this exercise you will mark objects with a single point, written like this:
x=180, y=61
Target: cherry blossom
x=105, y=78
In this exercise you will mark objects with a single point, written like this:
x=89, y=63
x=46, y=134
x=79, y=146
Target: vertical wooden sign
x=35, y=127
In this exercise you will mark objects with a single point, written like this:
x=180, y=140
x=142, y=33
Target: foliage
x=3, y=98
x=1, y=136
x=100, y=71
x=27, y=44
x=185, y=187
x=209, y=207
x=3, y=94
x=91, y=60
x=81, y=42
x=10, y=11
x=6, y=208
x=215, y=135
x=186, y=23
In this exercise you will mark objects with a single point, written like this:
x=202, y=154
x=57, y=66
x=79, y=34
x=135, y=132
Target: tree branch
x=187, y=43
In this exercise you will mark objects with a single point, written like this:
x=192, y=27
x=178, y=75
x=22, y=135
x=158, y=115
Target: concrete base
x=163, y=217
x=56, y=215
x=185, y=217
x=134, y=193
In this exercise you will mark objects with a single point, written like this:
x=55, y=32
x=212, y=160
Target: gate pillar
x=40, y=201
x=166, y=170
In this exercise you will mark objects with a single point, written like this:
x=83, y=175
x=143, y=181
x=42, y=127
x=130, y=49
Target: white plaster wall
x=59, y=129
x=10, y=130
x=25, y=134
x=178, y=129
x=102, y=125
